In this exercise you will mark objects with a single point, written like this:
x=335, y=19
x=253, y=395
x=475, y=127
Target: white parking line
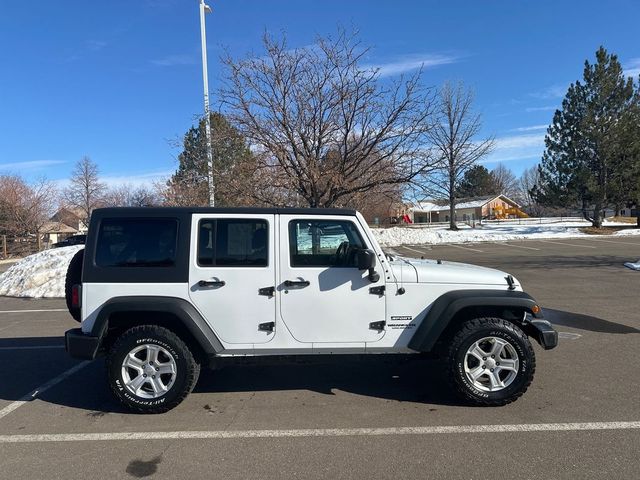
x=421, y=252
x=612, y=241
x=517, y=246
x=464, y=248
x=35, y=311
x=566, y=244
x=320, y=432
x=42, y=388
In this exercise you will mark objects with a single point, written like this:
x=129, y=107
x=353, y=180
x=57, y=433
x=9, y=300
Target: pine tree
x=232, y=160
x=476, y=182
x=584, y=144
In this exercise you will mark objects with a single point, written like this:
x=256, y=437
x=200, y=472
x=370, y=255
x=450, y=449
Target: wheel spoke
x=498, y=346
x=477, y=373
x=134, y=362
x=135, y=384
x=166, y=368
x=158, y=387
x=496, y=383
x=477, y=352
x=508, y=364
x=152, y=353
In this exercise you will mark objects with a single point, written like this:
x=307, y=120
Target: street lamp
x=204, y=9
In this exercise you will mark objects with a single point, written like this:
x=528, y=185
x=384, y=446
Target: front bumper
x=81, y=345
x=543, y=332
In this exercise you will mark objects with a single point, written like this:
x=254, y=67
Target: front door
x=232, y=262
x=324, y=297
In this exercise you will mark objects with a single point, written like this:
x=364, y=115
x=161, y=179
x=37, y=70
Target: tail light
x=76, y=296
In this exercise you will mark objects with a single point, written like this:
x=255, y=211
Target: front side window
x=233, y=243
x=324, y=243
x=137, y=242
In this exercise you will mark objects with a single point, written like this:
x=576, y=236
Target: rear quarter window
x=137, y=242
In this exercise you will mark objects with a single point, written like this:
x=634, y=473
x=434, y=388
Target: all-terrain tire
x=187, y=369
x=474, y=331
x=73, y=277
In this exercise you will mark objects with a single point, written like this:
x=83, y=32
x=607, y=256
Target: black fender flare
x=449, y=304
x=184, y=311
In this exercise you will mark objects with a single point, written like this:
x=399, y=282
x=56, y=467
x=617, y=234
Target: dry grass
x=602, y=231
x=632, y=220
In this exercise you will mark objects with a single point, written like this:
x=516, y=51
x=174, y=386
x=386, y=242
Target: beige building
x=469, y=209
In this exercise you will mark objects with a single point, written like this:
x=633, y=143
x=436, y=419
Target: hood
x=432, y=271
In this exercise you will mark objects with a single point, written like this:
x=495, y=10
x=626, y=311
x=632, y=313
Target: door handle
x=211, y=283
x=296, y=283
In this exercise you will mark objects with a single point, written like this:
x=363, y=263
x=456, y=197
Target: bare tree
x=323, y=127
x=127, y=195
x=528, y=182
x=454, y=143
x=85, y=191
x=506, y=182
x=24, y=208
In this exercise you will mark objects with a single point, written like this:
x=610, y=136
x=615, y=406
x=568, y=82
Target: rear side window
x=233, y=243
x=137, y=242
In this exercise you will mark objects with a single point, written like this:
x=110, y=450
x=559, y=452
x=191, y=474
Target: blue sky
x=121, y=80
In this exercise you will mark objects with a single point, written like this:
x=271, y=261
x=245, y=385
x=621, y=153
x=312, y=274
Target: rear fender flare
x=183, y=311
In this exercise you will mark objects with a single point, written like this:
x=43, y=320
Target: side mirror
x=367, y=261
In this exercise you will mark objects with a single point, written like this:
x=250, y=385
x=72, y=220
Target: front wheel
x=491, y=362
x=150, y=369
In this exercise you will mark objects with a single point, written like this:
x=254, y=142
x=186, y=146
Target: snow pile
x=633, y=266
x=40, y=275
x=396, y=236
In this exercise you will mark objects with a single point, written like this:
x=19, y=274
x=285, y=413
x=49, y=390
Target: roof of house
x=476, y=202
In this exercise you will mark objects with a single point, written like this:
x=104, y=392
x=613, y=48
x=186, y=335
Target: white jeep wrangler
x=162, y=291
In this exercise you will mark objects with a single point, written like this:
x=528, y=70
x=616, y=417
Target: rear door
x=232, y=260
x=326, y=299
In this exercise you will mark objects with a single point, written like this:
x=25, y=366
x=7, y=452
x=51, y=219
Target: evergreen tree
x=476, y=182
x=232, y=161
x=586, y=144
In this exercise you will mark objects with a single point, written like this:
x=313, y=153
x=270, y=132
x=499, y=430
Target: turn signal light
x=535, y=309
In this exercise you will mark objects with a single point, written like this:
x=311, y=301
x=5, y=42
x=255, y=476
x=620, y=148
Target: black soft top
x=158, y=211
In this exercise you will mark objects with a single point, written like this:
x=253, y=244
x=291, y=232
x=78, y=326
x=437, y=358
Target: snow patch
x=396, y=236
x=39, y=276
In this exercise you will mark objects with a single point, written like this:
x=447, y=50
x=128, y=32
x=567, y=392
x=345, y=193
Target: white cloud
x=530, y=129
x=632, y=68
x=408, y=63
x=541, y=109
x=173, y=61
x=136, y=180
x=30, y=165
x=554, y=91
x=516, y=147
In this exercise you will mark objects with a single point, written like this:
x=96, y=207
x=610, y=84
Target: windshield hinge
x=377, y=325
x=266, y=327
x=377, y=290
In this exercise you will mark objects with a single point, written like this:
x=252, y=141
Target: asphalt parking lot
x=380, y=419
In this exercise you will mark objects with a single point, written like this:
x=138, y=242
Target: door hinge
x=266, y=327
x=377, y=290
x=377, y=325
x=267, y=291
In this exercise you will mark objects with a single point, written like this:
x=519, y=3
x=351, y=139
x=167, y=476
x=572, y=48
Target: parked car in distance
x=70, y=241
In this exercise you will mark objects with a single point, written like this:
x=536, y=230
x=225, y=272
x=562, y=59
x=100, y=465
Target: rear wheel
x=150, y=369
x=491, y=361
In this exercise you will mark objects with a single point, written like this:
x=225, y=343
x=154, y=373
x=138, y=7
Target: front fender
x=447, y=306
